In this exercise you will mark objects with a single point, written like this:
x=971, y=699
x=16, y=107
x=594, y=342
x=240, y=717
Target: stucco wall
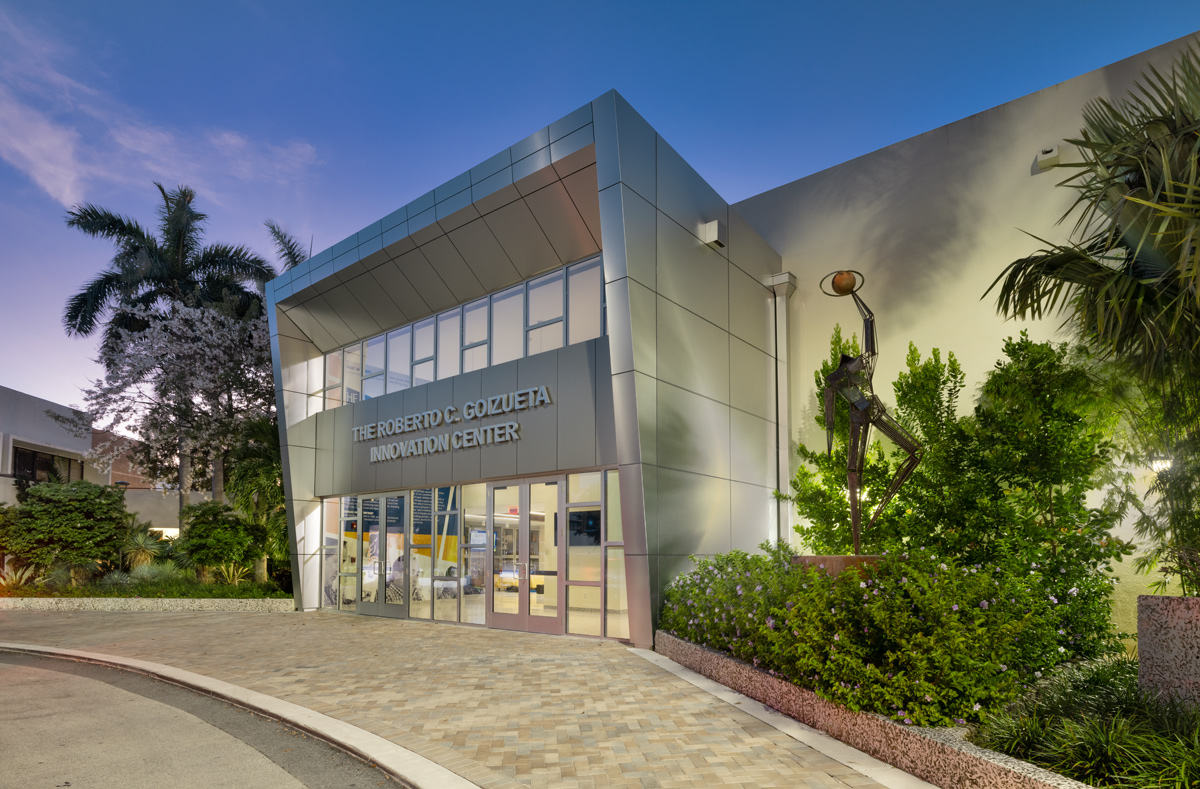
x=931, y=222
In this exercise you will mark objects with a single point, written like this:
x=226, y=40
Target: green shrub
x=1090, y=721
x=179, y=587
x=1005, y=487
x=215, y=534
x=76, y=524
x=115, y=578
x=156, y=572
x=919, y=638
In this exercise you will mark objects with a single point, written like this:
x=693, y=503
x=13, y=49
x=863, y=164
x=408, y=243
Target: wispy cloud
x=70, y=137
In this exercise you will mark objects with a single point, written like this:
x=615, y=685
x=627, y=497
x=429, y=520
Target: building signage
x=466, y=438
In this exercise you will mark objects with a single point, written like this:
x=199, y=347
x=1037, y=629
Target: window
x=374, y=356
x=449, y=344
x=544, y=326
x=399, y=352
x=423, y=348
x=555, y=309
x=585, y=311
x=43, y=467
x=508, y=325
x=475, y=336
x=352, y=373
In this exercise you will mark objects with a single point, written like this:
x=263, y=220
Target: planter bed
x=940, y=756
x=212, y=604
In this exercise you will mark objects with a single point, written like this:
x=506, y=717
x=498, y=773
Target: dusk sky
x=325, y=117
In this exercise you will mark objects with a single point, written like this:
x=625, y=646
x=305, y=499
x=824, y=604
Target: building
x=34, y=446
x=525, y=399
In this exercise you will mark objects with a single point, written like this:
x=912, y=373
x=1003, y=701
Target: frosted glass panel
x=583, y=487
x=583, y=610
x=617, y=610
x=612, y=509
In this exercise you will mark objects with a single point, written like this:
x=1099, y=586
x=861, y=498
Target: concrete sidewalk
x=499, y=709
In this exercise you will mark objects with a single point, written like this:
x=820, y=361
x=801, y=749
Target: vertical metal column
x=783, y=285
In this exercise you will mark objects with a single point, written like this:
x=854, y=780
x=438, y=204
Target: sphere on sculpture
x=844, y=283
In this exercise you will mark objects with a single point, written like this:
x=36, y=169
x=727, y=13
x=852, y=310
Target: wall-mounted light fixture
x=1047, y=157
x=715, y=234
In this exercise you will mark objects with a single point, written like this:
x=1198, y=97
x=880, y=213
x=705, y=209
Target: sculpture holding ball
x=852, y=381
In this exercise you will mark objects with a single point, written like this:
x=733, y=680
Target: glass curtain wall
x=447, y=552
x=556, y=309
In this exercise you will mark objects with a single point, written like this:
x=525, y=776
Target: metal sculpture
x=852, y=380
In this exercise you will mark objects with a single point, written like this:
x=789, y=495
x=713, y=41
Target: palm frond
x=1128, y=283
x=288, y=247
x=85, y=308
x=231, y=261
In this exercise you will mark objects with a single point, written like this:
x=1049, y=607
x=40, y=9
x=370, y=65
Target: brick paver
x=501, y=709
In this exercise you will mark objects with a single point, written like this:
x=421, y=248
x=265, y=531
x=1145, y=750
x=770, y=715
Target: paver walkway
x=504, y=710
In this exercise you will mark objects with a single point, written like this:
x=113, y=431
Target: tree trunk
x=203, y=574
x=260, y=569
x=218, y=477
x=185, y=481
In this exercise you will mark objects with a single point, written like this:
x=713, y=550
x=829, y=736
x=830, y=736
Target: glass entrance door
x=368, y=560
x=527, y=544
x=381, y=570
x=392, y=558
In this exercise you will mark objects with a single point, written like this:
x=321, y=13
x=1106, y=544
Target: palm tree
x=1128, y=282
x=149, y=273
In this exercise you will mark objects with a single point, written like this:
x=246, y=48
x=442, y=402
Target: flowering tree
x=185, y=384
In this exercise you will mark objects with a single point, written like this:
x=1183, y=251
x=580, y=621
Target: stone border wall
x=1169, y=646
x=145, y=604
x=940, y=756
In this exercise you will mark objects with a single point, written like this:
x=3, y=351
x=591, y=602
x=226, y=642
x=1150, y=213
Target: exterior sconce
x=715, y=234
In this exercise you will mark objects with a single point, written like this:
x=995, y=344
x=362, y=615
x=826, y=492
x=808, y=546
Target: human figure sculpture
x=852, y=380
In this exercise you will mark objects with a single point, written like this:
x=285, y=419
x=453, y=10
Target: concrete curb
x=160, y=604
x=402, y=765
x=940, y=756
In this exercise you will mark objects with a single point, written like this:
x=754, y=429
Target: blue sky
x=327, y=116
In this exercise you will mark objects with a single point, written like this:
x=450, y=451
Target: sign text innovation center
x=496, y=405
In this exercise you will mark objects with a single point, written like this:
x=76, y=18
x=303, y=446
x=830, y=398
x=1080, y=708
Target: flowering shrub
x=918, y=638
x=1007, y=487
